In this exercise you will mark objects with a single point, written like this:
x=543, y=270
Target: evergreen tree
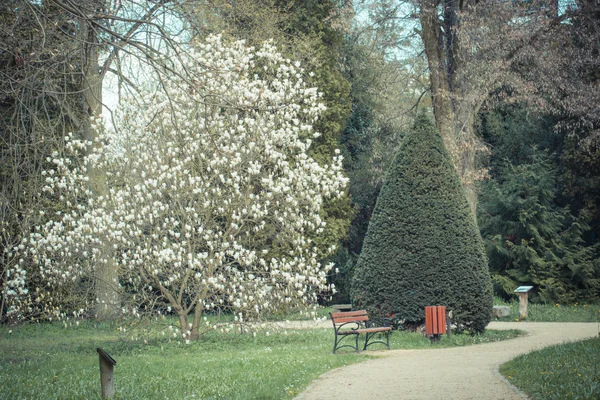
x=422, y=245
x=535, y=230
x=531, y=240
x=318, y=39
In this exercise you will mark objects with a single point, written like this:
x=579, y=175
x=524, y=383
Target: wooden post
x=523, y=305
x=523, y=290
x=107, y=382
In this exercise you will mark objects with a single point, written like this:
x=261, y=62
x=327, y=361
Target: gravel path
x=452, y=373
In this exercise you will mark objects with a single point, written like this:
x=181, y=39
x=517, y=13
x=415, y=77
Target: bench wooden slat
x=348, y=313
x=376, y=329
x=344, y=320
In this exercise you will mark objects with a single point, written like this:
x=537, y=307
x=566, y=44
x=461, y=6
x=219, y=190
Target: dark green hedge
x=422, y=245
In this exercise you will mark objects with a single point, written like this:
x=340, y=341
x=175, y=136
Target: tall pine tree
x=422, y=246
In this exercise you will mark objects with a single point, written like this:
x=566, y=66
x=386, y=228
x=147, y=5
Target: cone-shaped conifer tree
x=422, y=246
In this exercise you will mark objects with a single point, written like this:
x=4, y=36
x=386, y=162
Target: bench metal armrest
x=338, y=328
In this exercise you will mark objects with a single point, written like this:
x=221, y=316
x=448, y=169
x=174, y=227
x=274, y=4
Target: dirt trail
x=452, y=373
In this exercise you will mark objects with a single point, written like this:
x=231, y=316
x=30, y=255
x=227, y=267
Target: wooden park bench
x=352, y=324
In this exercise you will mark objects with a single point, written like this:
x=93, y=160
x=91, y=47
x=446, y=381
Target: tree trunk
x=468, y=146
x=454, y=116
x=183, y=321
x=106, y=276
x=199, y=310
x=438, y=75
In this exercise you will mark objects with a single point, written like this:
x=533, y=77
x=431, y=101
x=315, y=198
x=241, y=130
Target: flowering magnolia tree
x=211, y=200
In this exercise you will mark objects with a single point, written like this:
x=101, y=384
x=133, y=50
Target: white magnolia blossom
x=211, y=199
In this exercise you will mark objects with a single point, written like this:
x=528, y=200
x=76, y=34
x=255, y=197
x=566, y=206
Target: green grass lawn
x=553, y=312
x=49, y=361
x=566, y=371
x=557, y=372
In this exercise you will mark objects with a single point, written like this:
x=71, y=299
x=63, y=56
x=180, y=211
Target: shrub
x=422, y=245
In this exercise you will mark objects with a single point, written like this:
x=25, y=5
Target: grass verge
x=49, y=361
x=553, y=312
x=566, y=371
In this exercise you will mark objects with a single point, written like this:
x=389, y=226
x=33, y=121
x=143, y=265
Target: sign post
x=523, y=290
x=107, y=383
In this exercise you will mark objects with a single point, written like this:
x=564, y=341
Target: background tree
x=565, y=72
x=540, y=217
x=531, y=240
x=321, y=24
x=472, y=48
x=466, y=58
x=42, y=85
x=386, y=87
x=535, y=234
x=212, y=198
x=422, y=246
x=533, y=52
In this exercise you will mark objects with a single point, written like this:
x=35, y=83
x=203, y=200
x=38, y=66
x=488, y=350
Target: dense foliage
x=317, y=27
x=368, y=146
x=34, y=116
x=532, y=236
x=422, y=246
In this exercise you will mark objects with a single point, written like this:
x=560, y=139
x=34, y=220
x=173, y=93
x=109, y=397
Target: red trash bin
x=435, y=320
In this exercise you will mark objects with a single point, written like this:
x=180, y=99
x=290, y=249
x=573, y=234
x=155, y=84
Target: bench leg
x=335, y=343
x=369, y=336
x=339, y=338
